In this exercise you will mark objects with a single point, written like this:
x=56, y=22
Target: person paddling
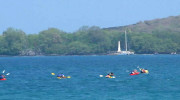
x=110, y=75
x=2, y=76
x=61, y=75
x=134, y=72
x=142, y=70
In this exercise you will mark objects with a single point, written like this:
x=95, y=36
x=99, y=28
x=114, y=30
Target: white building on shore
x=126, y=52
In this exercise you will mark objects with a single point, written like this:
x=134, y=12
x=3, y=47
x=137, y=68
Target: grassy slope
x=171, y=24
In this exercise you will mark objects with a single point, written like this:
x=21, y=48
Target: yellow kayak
x=146, y=71
x=64, y=77
x=111, y=77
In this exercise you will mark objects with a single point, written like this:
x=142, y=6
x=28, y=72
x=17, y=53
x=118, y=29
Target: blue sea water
x=31, y=78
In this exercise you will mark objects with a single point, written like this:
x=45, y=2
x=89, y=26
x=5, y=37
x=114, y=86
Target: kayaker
x=2, y=76
x=111, y=74
x=143, y=70
x=133, y=72
x=108, y=76
x=61, y=75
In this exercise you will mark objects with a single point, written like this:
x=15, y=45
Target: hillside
x=170, y=24
x=94, y=40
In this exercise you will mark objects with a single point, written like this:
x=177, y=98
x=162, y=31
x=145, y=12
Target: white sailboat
x=126, y=52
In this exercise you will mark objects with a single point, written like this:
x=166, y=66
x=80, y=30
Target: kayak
x=61, y=77
x=64, y=77
x=145, y=71
x=111, y=77
x=135, y=73
x=3, y=79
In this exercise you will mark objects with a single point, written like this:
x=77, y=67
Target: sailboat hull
x=125, y=53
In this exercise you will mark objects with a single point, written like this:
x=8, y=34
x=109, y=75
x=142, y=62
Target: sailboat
x=126, y=52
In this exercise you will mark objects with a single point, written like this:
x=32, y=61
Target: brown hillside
x=165, y=24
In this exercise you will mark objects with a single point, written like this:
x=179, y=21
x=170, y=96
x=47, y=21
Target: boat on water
x=156, y=53
x=137, y=73
x=126, y=52
x=3, y=79
x=173, y=53
x=64, y=77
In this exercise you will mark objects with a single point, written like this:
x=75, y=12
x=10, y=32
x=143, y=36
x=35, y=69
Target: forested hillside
x=159, y=35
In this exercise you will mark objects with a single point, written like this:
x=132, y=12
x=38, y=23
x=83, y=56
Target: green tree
x=14, y=41
x=49, y=40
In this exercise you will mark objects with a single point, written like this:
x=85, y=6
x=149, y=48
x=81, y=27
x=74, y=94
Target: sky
x=33, y=16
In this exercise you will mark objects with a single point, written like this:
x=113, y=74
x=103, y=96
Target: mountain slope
x=170, y=24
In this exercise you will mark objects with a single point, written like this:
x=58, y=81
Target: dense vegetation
x=90, y=40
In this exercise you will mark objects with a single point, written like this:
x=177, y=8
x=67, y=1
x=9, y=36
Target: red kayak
x=2, y=79
x=135, y=73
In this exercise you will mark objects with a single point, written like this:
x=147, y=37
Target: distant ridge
x=170, y=24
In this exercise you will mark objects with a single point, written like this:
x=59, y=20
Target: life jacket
x=108, y=76
x=1, y=77
x=143, y=71
x=60, y=75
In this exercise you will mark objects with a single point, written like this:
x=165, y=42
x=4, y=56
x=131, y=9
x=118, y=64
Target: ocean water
x=31, y=78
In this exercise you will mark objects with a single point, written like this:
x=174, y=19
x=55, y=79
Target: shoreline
x=78, y=55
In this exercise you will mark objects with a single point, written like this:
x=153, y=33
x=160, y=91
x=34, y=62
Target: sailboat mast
x=125, y=41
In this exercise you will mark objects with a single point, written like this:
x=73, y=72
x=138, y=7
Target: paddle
x=139, y=68
x=3, y=71
x=146, y=71
x=8, y=74
x=68, y=77
x=100, y=75
x=105, y=76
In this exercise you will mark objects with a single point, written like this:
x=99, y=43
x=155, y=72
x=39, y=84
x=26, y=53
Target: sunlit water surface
x=31, y=78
